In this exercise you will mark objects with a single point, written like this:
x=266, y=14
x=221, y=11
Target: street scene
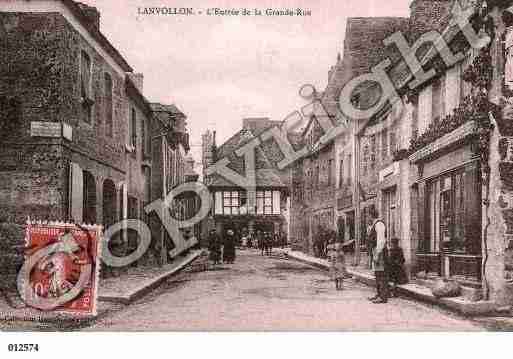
x=273, y=294
x=302, y=167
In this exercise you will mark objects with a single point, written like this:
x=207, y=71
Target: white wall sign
x=45, y=129
x=391, y=170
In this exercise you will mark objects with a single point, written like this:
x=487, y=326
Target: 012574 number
x=23, y=347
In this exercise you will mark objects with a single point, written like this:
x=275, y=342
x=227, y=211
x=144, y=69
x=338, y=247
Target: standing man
x=214, y=247
x=377, y=234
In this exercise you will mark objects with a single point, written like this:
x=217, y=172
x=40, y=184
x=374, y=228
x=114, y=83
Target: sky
x=221, y=69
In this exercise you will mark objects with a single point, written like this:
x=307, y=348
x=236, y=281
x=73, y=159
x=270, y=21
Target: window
x=453, y=88
x=384, y=145
x=465, y=87
x=330, y=172
x=365, y=159
x=414, y=100
x=373, y=152
x=145, y=134
x=341, y=174
x=349, y=168
x=393, y=142
x=133, y=127
x=454, y=212
x=268, y=202
x=85, y=75
x=85, y=86
x=317, y=176
x=231, y=202
x=108, y=105
x=438, y=102
x=425, y=108
x=390, y=207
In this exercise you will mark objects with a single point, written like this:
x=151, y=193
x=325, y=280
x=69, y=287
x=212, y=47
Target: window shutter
x=472, y=204
x=425, y=109
x=453, y=89
x=76, y=193
x=276, y=202
x=219, y=202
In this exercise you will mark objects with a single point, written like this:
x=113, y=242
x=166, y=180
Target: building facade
x=76, y=128
x=232, y=208
x=435, y=165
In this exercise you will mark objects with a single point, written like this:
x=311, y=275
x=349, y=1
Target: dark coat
x=214, y=246
x=229, y=248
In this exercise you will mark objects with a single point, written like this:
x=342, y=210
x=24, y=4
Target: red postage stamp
x=61, y=267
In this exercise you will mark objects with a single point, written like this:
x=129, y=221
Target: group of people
x=323, y=238
x=222, y=249
x=387, y=260
x=388, y=263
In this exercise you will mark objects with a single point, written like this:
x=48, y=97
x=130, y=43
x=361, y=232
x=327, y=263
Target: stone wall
x=12, y=242
x=40, y=67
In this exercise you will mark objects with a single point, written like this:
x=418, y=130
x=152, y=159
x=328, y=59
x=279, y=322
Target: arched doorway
x=89, y=198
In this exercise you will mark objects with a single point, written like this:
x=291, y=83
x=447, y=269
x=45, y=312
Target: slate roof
x=267, y=154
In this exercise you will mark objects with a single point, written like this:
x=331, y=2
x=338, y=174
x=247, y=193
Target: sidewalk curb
x=458, y=304
x=150, y=284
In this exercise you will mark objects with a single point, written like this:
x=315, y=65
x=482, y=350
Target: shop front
x=448, y=194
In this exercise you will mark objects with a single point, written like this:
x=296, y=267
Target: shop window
x=453, y=213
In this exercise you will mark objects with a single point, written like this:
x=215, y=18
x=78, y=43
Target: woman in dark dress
x=214, y=246
x=396, y=266
x=229, y=247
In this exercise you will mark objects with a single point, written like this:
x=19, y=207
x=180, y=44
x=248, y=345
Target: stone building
x=232, y=207
x=437, y=164
x=76, y=130
x=170, y=145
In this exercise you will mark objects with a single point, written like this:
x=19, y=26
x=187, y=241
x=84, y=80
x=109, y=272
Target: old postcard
x=284, y=165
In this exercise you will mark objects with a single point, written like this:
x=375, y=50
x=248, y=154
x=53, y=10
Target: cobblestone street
x=262, y=293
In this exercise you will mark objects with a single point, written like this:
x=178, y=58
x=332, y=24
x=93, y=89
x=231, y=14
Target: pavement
x=419, y=291
x=260, y=293
x=138, y=281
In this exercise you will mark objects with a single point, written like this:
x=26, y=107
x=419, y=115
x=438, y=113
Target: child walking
x=337, y=263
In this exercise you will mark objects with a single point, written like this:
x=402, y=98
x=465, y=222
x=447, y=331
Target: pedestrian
x=337, y=262
x=269, y=244
x=260, y=241
x=370, y=242
x=377, y=234
x=214, y=247
x=229, y=247
x=396, y=266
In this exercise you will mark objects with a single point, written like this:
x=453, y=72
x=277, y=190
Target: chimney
x=138, y=80
x=91, y=14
